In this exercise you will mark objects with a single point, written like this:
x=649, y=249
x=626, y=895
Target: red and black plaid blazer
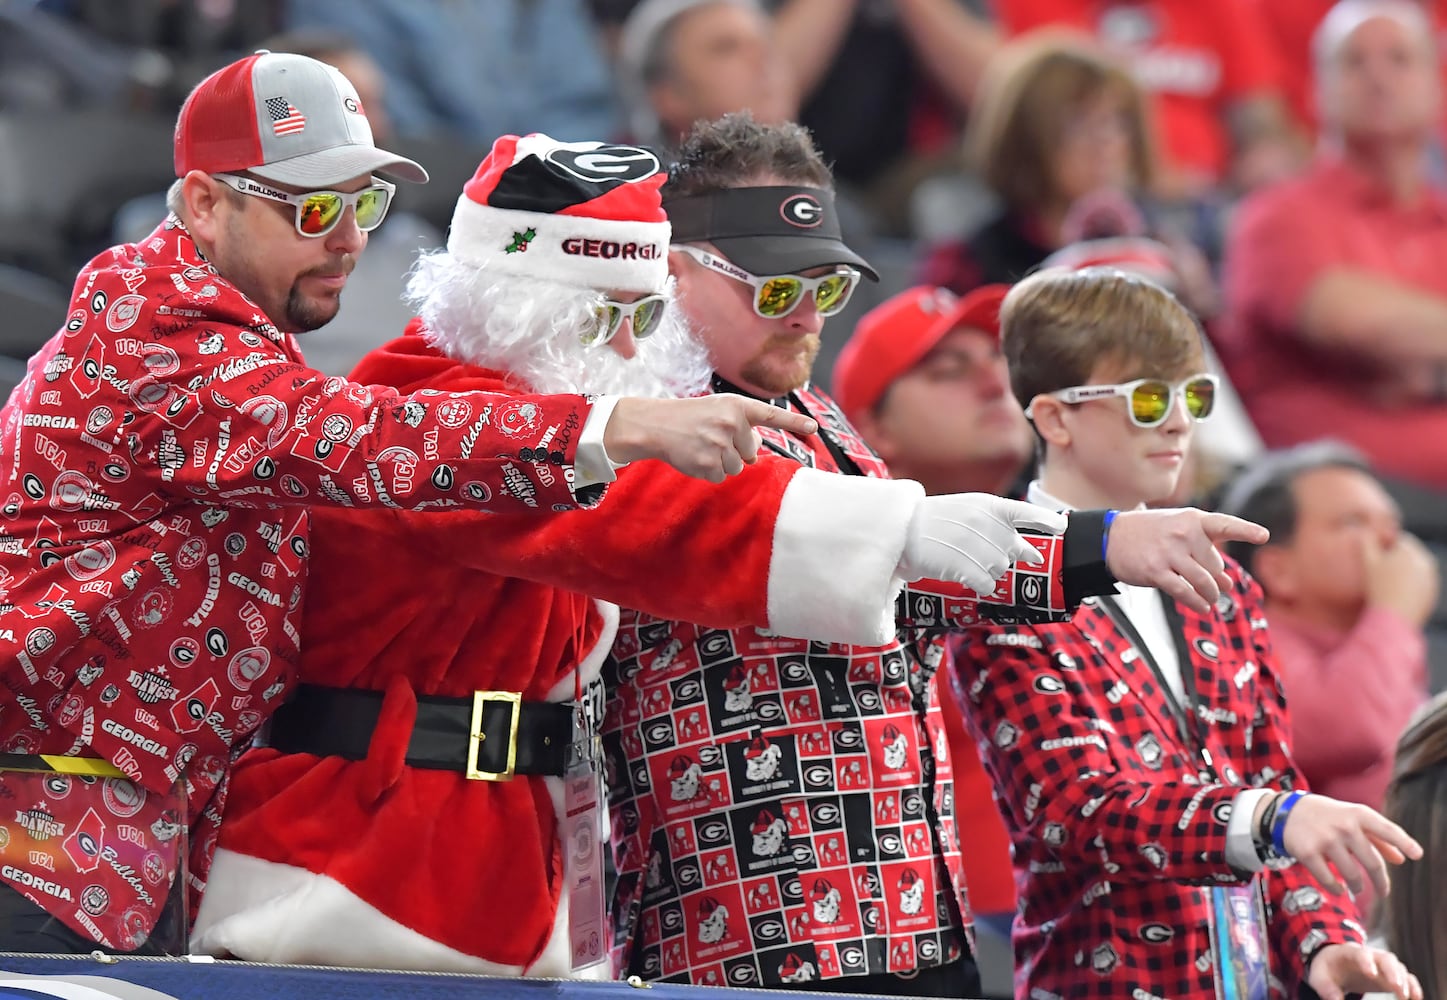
x=1115, y=834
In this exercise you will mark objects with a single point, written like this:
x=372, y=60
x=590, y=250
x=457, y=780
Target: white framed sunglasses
x=318, y=212
x=1150, y=399
x=780, y=294
x=646, y=314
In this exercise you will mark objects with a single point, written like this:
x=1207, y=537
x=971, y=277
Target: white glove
x=971, y=538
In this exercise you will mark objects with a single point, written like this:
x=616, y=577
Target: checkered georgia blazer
x=1115, y=834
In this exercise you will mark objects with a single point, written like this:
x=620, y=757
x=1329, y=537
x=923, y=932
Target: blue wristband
x=1105, y=533
x=1278, y=826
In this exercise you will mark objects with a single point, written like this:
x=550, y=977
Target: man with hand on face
x=165, y=453
x=856, y=724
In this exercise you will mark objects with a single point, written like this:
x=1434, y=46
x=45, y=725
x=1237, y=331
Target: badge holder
x=583, y=839
x=1240, y=949
x=83, y=834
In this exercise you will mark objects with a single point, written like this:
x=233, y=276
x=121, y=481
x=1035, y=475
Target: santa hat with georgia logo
x=578, y=213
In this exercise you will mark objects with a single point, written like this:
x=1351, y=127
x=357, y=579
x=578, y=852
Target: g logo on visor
x=606, y=163
x=802, y=210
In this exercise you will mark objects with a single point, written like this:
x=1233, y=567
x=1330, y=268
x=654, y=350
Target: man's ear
x=1274, y=568
x=202, y=196
x=873, y=430
x=1049, y=416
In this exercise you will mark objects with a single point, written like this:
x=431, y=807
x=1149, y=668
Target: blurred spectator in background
x=1213, y=76
x=882, y=85
x=682, y=61
x=1414, y=917
x=1292, y=26
x=49, y=62
x=885, y=86
x=1055, y=122
x=1347, y=594
x=480, y=70
x=1336, y=294
x=171, y=44
x=923, y=380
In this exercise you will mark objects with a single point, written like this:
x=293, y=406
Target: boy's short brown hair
x=1057, y=326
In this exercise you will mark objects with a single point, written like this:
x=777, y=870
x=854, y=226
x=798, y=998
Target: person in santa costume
x=357, y=835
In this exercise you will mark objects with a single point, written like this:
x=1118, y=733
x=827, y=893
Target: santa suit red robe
x=372, y=863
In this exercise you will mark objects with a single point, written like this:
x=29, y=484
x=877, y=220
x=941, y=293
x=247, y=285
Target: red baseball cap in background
x=285, y=118
x=892, y=337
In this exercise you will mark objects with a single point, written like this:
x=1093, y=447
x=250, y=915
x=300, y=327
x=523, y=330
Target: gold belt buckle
x=475, y=735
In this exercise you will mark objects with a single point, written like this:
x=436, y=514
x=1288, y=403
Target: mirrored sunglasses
x=1151, y=399
x=646, y=314
x=318, y=212
x=780, y=294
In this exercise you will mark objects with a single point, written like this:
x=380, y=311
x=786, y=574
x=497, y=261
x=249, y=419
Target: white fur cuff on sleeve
x=837, y=543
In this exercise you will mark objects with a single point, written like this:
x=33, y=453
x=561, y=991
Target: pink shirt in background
x=1282, y=240
x=1350, y=695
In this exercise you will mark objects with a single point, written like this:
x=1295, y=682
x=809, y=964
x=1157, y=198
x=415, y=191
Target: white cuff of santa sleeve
x=1240, y=844
x=591, y=464
x=837, y=541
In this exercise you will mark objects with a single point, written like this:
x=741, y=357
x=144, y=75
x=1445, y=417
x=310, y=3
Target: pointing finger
x=1226, y=528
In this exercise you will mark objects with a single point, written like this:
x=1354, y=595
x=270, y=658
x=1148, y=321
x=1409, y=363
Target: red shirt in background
x=1196, y=57
x=984, y=841
x=1382, y=662
x=1283, y=239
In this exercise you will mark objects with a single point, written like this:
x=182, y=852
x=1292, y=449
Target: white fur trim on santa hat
x=604, y=254
x=837, y=543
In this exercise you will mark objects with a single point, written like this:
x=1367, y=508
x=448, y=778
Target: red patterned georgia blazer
x=1115, y=835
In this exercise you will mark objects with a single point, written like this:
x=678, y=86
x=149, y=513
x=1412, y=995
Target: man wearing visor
x=782, y=807
x=164, y=453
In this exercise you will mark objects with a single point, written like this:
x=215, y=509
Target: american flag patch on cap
x=285, y=118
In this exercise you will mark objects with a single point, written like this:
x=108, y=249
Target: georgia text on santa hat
x=579, y=213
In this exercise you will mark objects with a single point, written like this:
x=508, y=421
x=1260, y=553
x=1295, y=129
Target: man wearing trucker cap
x=923, y=379
x=163, y=453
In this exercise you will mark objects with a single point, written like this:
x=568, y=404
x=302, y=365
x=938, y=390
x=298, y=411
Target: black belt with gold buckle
x=490, y=736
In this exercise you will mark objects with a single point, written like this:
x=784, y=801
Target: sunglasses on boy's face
x=780, y=294
x=1150, y=399
x=318, y=212
x=646, y=314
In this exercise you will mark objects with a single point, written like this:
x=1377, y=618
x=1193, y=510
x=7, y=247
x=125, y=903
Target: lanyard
x=1187, y=717
x=847, y=465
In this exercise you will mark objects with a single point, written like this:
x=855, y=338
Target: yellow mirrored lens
x=1150, y=402
x=646, y=317
x=778, y=295
x=603, y=322
x=370, y=208
x=1200, y=398
x=320, y=212
x=830, y=293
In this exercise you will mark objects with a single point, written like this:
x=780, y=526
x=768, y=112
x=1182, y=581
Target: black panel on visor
x=766, y=230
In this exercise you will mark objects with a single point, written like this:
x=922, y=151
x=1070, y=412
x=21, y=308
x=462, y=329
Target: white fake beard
x=530, y=328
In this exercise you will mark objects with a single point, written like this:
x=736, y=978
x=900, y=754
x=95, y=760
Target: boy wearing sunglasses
x=165, y=454
x=1164, y=844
